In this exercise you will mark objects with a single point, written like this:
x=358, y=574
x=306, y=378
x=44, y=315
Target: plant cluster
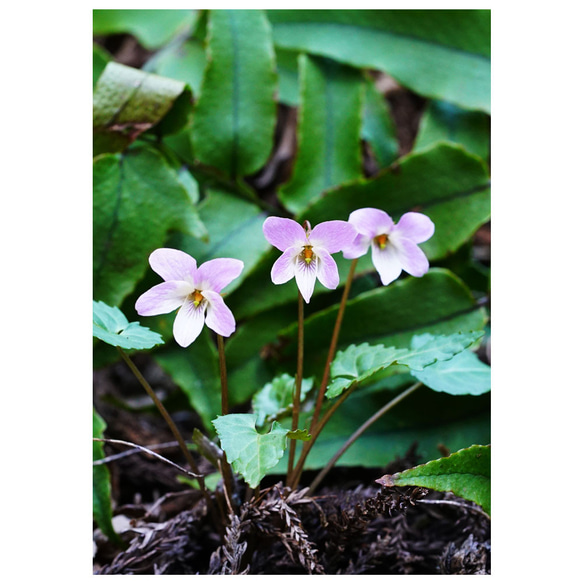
x=288, y=282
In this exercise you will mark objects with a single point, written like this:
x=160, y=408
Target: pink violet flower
x=195, y=290
x=394, y=246
x=307, y=252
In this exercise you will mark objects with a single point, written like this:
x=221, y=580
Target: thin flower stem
x=223, y=372
x=325, y=418
x=226, y=471
x=333, y=343
x=298, y=391
x=326, y=374
x=359, y=432
x=166, y=416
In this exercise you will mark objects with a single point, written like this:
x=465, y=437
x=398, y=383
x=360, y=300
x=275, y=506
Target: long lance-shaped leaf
x=466, y=473
x=235, y=115
x=444, y=54
x=328, y=131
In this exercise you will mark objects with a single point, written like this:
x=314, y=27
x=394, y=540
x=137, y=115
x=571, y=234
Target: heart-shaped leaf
x=111, y=326
x=250, y=453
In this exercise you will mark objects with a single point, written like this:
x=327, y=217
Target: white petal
x=188, y=323
x=386, y=262
x=306, y=277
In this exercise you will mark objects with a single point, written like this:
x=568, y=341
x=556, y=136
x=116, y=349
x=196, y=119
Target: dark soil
x=350, y=526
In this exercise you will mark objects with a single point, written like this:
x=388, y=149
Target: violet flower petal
x=333, y=235
x=217, y=273
x=327, y=270
x=172, y=264
x=284, y=267
x=188, y=323
x=358, y=248
x=306, y=278
x=371, y=222
x=387, y=263
x=411, y=258
x=219, y=317
x=283, y=233
x=163, y=298
x=416, y=227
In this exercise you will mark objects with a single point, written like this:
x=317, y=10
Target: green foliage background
x=182, y=146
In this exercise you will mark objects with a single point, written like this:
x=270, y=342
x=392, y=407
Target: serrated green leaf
x=444, y=182
x=301, y=434
x=128, y=102
x=445, y=122
x=276, y=398
x=466, y=473
x=137, y=200
x=111, y=326
x=464, y=374
x=250, y=453
x=359, y=362
x=427, y=348
x=328, y=151
x=153, y=28
x=444, y=54
x=102, y=511
x=235, y=114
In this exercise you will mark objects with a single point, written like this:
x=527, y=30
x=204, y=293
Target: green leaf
x=358, y=363
x=464, y=374
x=276, y=398
x=328, y=151
x=128, y=102
x=466, y=473
x=378, y=127
x=444, y=182
x=250, y=453
x=301, y=434
x=234, y=230
x=195, y=370
x=443, y=54
x=287, y=73
x=137, y=200
x=111, y=326
x=100, y=59
x=235, y=115
x=153, y=28
x=102, y=511
x=446, y=122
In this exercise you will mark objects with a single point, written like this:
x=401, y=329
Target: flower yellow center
x=196, y=298
x=308, y=254
x=381, y=241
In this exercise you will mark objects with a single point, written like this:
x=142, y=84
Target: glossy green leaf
x=464, y=374
x=359, y=362
x=137, y=200
x=275, y=399
x=234, y=230
x=111, y=326
x=445, y=182
x=466, y=473
x=235, y=115
x=100, y=59
x=102, y=511
x=287, y=74
x=195, y=370
x=127, y=102
x=328, y=151
x=445, y=122
x=443, y=54
x=153, y=28
x=184, y=62
x=378, y=127
x=250, y=453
